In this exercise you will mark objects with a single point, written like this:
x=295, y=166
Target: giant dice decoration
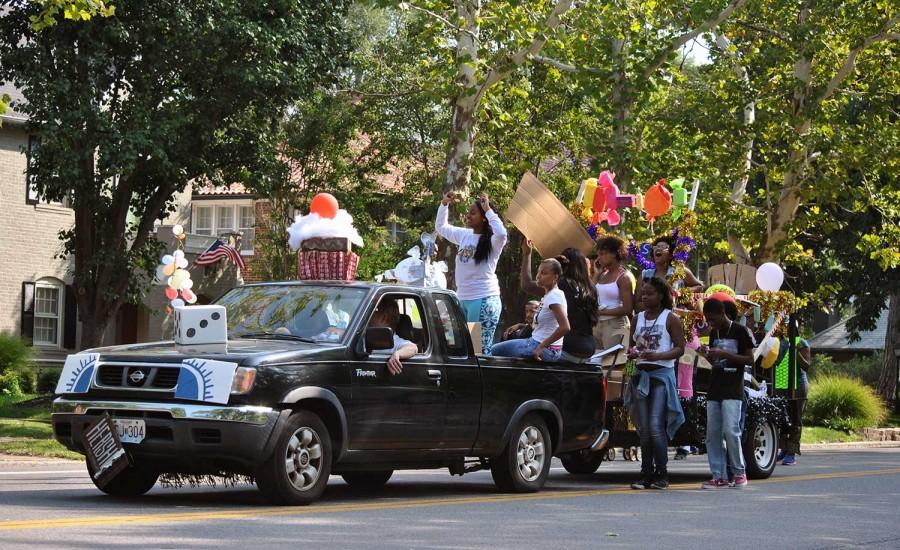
x=200, y=325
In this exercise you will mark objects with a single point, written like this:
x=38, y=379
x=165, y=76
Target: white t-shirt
x=545, y=322
x=473, y=280
x=398, y=343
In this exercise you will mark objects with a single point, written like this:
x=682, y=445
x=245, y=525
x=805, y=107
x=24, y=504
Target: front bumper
x=183, y=438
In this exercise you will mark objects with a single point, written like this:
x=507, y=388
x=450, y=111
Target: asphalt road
x=831, y=499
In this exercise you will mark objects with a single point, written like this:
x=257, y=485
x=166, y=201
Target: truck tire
x=582, y=462
x=297, y=471
x=760, y=449
x=524, y=463
x=368, y=480
x=135, y=480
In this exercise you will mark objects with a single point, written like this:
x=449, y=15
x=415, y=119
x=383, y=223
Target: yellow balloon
x=588, y=213
x=590, y=187
x=772, y=356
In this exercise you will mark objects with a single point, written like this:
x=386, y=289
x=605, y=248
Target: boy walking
x=731, y=348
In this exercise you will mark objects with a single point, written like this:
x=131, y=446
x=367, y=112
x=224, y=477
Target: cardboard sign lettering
x=544, y=220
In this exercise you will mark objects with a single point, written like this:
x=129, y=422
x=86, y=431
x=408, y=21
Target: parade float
x=767, y=310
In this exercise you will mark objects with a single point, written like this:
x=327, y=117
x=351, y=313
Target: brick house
x=36, y=297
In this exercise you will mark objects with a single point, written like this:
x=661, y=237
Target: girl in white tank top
x=651, y=335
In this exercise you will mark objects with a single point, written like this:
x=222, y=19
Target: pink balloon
x=171, y=293
x=613, y=218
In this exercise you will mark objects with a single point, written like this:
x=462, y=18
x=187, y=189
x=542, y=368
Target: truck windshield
x=317, y=313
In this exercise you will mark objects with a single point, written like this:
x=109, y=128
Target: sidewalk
x=850, y=445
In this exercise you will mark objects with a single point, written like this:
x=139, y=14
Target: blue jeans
x=650, y=419
x=723, y=434
x=487, y=312
x=523, y=347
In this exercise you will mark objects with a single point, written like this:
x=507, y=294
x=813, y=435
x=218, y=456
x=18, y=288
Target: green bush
x=843, y=403
x=47, y=379
x=9, y=384
x=16, y=373
x=14, y=354
x=865, y=367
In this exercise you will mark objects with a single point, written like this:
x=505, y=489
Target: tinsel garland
x=177, y=481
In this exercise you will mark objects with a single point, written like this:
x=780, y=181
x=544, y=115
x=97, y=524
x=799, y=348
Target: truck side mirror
x=379, y=338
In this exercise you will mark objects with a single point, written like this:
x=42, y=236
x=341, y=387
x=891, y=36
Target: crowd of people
x=586, y=305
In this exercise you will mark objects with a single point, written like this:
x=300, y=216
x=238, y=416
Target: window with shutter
x=31, y=193
x=27, y=331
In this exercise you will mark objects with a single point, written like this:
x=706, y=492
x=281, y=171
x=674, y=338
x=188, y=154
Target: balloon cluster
x=173, y=270
x=601, y=200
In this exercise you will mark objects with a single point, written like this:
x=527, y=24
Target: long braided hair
x=483, y=249
x=575, y=274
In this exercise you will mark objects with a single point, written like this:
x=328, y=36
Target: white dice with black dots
x=201, y=325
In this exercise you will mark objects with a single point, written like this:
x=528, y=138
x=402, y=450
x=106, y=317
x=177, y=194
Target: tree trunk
x=887, y=383
x=620, y=163
x=461, y=145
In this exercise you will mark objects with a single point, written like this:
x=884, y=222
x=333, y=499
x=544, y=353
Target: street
x=830, y=499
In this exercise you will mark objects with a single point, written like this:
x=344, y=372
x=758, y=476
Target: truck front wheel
x=297, y=471
x=760, y=449
x=524, y=464
x=133, y=481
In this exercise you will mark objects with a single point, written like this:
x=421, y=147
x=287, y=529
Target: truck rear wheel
x=297, y=471
x=524, y=464
x=133, y=481
x=582, y=462
x=760, y=449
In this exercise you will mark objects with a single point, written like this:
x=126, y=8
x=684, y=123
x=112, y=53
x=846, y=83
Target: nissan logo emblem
x=137, y=376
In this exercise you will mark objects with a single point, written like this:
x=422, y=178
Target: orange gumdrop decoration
x=325, y=205
x=657, y=200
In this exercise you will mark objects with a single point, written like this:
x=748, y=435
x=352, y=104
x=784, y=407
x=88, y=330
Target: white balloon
x=177, y=229
x=769, y=277
x=177, y=302
x=160, y=276
x=171, y=282
x=187, y=284
x=167, y=259
x=181, y=263
x=178, y=254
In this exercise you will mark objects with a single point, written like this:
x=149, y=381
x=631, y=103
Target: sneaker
x=740, y=481
x=789, y=460
x=660, y=483
x=715, y=484
x=643, y=483
x=680, y=454
x=781, y=455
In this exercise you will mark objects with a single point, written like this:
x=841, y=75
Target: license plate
x=130, y=431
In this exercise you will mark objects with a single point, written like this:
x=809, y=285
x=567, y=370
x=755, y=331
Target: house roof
x=837, y=337
x=13, y=114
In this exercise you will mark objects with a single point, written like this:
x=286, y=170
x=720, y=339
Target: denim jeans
x=723, y=434
x=523, y=347
x=650, y=419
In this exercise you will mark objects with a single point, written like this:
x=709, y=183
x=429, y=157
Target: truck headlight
x=243, y=380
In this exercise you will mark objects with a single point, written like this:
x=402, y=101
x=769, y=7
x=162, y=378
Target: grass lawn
x=819, y=434
x=25, y=428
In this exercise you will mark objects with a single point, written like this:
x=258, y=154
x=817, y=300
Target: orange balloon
x=325, y=205
x=169, y=269
x=657, y=200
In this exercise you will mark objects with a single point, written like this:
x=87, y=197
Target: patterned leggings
x=487, y=312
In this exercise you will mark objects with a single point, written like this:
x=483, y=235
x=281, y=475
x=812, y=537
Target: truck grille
x=137, y=377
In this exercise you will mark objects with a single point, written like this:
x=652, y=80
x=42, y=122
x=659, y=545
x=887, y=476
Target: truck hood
x=245, y=350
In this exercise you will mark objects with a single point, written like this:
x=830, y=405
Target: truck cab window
x=410, y=323
x=451, y=325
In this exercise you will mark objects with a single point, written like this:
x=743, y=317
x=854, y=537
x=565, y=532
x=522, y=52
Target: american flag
x=220, y=250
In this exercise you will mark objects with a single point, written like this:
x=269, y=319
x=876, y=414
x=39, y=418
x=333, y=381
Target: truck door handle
x=434, y=373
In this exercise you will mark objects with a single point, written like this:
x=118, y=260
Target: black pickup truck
x=322, y=401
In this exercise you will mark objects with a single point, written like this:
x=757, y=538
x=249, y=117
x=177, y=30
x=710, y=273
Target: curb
x=850, y=445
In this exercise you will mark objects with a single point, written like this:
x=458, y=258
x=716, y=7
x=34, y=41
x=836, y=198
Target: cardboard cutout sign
x=740, y=277
x=539, y=215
